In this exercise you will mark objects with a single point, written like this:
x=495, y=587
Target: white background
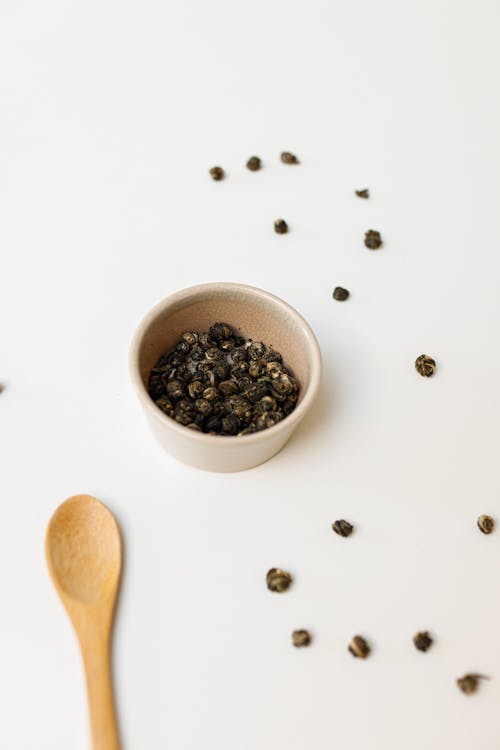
x=111, y=115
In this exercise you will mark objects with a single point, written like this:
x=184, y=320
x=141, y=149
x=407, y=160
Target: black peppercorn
x=213, y=354
x=425, y=365
x=373, y=240
x=220, y=331
x=288, y=158
x=254, y=163
x=182, y=347
x=165, y=405
x=280, y=226
x=217, y=173
x=175, y=389
x=221, y=370
x=190, y=338
x=230, y=424
x=203, y=406
x=274, y=370
x=422, y=640
x=257, y=350
x=278, y=580
x=359, y=648
x=469, y=683
x=213, y=424
x=340, y=294
x=486, y=524
x=238, y=355
x=228, y=387
x=362, y=193
x=197, y=353
x=272, y=356
x=211, y=394
x=195, y=389
x=301, y=638
x=342, y=527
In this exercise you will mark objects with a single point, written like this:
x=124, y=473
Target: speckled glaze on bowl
x=256, y=314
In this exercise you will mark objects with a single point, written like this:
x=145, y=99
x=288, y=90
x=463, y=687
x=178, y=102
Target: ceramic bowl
x=255, y=314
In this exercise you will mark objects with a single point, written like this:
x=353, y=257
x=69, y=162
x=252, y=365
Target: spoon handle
x=97, y=663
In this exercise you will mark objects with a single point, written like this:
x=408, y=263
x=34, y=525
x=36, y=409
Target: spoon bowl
x=84, y=550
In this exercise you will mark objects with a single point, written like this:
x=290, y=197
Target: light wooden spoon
x=83, y=548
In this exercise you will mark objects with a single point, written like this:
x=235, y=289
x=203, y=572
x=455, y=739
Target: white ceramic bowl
x=257, y=315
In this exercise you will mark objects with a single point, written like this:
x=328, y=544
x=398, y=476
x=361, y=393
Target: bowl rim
x=289, y=422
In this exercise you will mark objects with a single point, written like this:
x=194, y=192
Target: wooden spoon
x=83, y=549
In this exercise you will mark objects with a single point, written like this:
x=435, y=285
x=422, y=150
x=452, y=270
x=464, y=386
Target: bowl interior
x=252, y=313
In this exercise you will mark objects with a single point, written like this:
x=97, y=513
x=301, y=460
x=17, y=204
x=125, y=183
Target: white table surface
x=112, y=114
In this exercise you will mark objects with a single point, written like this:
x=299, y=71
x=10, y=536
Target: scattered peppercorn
x=469, y=683
x=359, y=648
x=342, y=527
x=422, y=641
x=254, y=164
x=288, y=158
x=278, y=580
x=363, y=193
x=340, y=294
x=301, y=638
x=486, y=524
x=425, y=365
x=217, y=173
x=280, y=226
x=373, y=240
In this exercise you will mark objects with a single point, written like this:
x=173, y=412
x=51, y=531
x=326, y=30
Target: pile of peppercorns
x=221, y=384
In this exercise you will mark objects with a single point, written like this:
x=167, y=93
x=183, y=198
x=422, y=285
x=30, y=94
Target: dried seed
x=486, y=524
x=280, y=226
x=195, y=389
x=230, y=424
x=358, y=647
x=197, y=353
x=288, y=158
x=239, y=355
x=373, y=240
x=257, y=368
x=342, y=527
x=165, y=405
x=422, y=640
x=301, y=638
x=213, y=424
x=278, y=580
x=175, y=389
x=217, y=173
x=340, y=294
x=203, y=406
x=425, y=365
x=254, y=164
x=211, y=393
x=228, y=387
x=272, y=356
x=469, y=683
x=257, y=350
x=190, y=338
x=220, y=331
x=363, y=193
